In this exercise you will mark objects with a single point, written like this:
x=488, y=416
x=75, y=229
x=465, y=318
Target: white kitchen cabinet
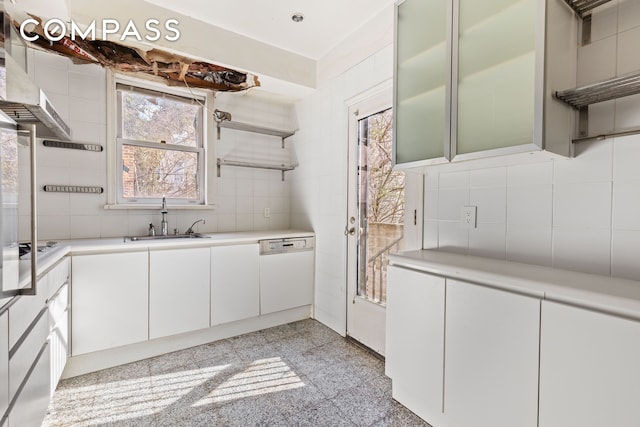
x=179, y=291
x=110, y=299
x=25, y=309
x=478, y=78
x=422, y=82
x=235, y=283
x=4, y=363
x=415, y=340
x=491, y=357
x=589, y=371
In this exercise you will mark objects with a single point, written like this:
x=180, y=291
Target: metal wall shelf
x=584, y=7
x=606, y=90
x=283, y=168
x=223, y=120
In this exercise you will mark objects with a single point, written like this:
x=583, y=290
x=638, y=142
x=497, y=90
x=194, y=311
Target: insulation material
x=175, y=70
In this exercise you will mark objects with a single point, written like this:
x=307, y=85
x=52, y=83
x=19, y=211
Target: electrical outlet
x=266, y=213
x=468, y=216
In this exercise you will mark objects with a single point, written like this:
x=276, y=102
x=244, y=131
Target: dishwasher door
x=286, y=274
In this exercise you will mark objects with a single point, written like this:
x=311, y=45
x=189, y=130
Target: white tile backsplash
x=582, y=249
x=561, y=213
x=582, y=205
x=628, y=14
x=626, y=205
x=628, y=58
x=491, y=204
x=625, y=247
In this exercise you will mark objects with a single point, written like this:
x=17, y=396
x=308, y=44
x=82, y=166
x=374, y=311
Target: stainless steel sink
x=169, y=236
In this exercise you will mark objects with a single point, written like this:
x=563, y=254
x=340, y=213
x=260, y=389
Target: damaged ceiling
x=154, y=64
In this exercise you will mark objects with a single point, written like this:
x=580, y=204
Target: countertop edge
x=46, y=260
x=601, y=293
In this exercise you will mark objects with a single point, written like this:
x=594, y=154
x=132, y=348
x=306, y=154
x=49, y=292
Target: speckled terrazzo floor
x=300, y=374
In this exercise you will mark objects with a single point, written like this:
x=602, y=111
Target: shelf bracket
x=583, y=121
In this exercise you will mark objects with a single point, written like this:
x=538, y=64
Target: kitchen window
x=160, y=146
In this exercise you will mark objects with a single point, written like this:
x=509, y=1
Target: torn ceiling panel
x=174, y=70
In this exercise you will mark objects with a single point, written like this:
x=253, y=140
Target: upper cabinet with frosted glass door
x=422, y=82
x=507, y=59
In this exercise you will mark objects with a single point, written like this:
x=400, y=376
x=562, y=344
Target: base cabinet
x=110, y=300
x=179, y=287
x=589, y=371
x=491, y=357
x=235, y=283
x=415, y=340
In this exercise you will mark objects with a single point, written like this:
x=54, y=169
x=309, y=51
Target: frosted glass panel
x=421, y=74
x=418, y=119
x=496, y=74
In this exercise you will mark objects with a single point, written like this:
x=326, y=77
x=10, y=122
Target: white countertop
x=48, y=259
x=603, y=293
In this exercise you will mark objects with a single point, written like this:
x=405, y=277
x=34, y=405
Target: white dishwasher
x=286, y=273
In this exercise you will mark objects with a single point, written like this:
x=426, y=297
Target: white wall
x=319, y=190
x=79, y=94
x=576, y=214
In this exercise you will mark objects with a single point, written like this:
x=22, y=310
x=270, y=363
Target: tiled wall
x=79, y=94
x=577, y=214
x=319, y=190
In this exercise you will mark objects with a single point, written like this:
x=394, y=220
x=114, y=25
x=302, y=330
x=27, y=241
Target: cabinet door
x=109, y=300
x=496, y=75
x=589, y=371
x=179, y=291
x=415, y=340
x=422, y=76
x=235, y=283
x=4, y=363
x=491, y=357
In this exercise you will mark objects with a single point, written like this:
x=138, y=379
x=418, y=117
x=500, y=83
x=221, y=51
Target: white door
x=375, y=215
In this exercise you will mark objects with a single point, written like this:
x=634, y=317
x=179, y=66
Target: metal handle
x=349, y=231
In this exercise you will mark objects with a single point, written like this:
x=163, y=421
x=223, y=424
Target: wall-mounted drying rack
x=223, y=120
x=72, y=145
x=283, y=168
x=584, y=8
x=581, y=97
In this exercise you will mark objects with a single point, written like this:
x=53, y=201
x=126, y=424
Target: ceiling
x=326, y=23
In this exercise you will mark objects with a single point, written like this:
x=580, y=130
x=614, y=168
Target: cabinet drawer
x=58, y=306
x=31, y=405
x=59, y=349
x=24, y=311
x=25, y=354
x=58, y=276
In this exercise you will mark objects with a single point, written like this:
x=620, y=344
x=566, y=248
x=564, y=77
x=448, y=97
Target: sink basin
x=170, y=236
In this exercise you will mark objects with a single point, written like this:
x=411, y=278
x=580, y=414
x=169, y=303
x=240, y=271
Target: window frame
x=115, y=196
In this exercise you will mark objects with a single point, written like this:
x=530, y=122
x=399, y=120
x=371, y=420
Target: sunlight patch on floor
x=261, y=377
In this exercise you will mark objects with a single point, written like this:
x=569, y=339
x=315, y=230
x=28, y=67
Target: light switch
x=267, y=213
x=468, y=216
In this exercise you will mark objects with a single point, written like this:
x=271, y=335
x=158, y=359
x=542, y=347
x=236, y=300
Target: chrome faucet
x=164, y=225
x=190, y=229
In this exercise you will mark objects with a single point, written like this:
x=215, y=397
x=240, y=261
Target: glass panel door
x=422, y=73
x=375, y=215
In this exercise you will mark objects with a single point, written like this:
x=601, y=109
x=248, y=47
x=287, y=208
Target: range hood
x=27, y=104
x=20, y=98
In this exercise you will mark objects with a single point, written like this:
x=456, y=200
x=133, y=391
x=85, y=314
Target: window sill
x=157, y=207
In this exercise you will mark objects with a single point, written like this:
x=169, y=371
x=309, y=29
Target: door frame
x=366, y=321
